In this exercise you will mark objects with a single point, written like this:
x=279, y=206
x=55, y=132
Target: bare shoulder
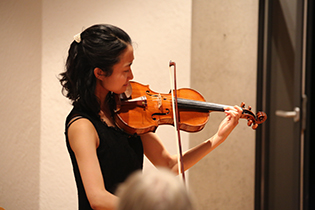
x=81, y=133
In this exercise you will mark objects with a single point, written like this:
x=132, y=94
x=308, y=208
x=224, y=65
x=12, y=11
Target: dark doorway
x=285, y=90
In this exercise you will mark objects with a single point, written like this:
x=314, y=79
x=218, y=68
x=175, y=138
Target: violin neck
x=199, y=105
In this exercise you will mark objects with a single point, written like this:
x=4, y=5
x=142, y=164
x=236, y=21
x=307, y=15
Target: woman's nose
x=130, y=76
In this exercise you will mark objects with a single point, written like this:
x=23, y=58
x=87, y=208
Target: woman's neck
x=106, y=111
x=101, y=94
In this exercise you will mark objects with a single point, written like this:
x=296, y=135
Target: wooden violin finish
x=145, y=110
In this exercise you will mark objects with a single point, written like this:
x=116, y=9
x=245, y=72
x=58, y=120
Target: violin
x=140, y=110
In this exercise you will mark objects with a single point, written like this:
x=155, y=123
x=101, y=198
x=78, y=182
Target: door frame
x=305, y=61
x=262, y=101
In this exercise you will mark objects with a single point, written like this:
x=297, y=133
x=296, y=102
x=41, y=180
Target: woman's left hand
x=233, y=115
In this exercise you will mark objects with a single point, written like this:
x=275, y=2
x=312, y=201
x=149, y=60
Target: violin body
x=145, y=110
x=150, y=109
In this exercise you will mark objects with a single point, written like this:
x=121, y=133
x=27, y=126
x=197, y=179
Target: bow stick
x=176, y=121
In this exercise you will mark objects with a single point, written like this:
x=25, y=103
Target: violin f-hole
x=160, y=114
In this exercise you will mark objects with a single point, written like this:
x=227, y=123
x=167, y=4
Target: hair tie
x=77, y=37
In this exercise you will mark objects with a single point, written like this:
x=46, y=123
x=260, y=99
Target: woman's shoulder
x=80, y=126
x=80, y=130
x=78, y=113
x=79, y=122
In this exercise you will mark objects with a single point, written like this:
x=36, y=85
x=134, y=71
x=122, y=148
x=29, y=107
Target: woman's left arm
x=159, y=156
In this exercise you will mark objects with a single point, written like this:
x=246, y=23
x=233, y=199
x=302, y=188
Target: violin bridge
x=159, y=101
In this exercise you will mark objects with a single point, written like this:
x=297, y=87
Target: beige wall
x=20, y=78
x=224, y=48
x=35, y=167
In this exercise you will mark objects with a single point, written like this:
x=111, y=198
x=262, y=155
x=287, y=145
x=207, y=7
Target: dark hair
x=99, y=46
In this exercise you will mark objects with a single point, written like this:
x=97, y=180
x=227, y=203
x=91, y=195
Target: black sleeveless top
x=119, y=155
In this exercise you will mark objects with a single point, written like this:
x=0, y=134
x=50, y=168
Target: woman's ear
x=99, y=74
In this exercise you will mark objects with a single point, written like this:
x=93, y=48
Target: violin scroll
x=252, y=119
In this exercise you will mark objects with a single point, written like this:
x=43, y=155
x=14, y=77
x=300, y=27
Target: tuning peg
x=249, y=107
x=249, y=122
x=255, y=126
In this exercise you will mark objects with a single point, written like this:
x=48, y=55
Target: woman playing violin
x=103, y=156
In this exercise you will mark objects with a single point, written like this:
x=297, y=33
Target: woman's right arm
x=84, y=141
